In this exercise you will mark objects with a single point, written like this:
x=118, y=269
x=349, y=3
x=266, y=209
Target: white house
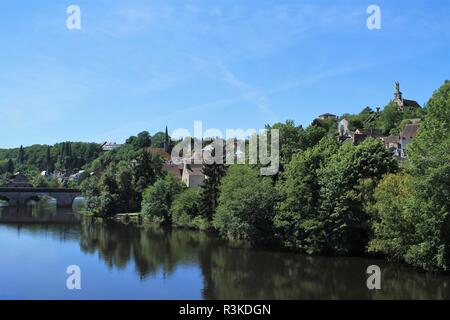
x=193, y=175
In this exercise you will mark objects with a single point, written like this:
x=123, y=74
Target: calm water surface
x=117, y=261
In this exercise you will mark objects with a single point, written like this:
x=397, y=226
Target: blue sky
x=139, y=65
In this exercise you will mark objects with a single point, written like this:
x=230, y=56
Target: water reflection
x=236, y=273
x=39, y=210
x=227, y=271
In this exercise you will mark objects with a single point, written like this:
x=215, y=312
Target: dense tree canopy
x=118, y=180
x=186, y=211
x=299, y=192
x=420, y=200
x=210, y=189
x=294, y=139
x=69, y=156
x=158, y=198
x=142, y=140
x=246, y=205
x=351, y=174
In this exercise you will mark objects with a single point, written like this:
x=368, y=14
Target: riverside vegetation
x=329, y=198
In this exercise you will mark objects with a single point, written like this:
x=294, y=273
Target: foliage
x=324, y=203
x=40, y=181
x=330, y=125
x=66, y=156
x=246, y=203
x=299, y=192
x=423, y=198
x=210, y=189
x=142, y=140
x=342, y=204
x=157, y=199
x=294, y=138
x=4, y=179
x=7, y=167
x=290, y=139
x=186, y=210
x=21, y=157
x=158, y=140
x=393, y=224
x=118, y=179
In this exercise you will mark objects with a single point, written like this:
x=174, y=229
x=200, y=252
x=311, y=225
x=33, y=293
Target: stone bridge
x=21, y=196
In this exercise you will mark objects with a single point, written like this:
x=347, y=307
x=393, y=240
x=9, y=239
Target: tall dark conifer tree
x=21, y=157
x=210, y=188
x=10, y=166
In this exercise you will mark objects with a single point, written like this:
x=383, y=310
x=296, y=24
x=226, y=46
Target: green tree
x=210, y=189
x=3, y=180
x=186, y=210
x=426, y=203
x=291, y=139
x=39, y=181
x=146, y=169
x=158, y=198
x=390, y=118
x=48, y=164
x=329, y=125
x=246, y=201
x=142, y=140
x=296, y=221
x=119, y=178
x=158, y=140
x=10, y=166
x=430, y=169
x=21, y=157
x=312, y=135
x=393, y=223
x=342, y=202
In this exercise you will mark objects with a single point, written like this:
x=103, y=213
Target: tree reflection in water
x=228, y=270
x=241, y=273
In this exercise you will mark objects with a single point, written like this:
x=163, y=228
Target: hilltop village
x=367, y=126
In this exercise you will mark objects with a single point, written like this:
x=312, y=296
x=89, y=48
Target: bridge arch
x=32, y=198
x=39, y=197
x=77, y=201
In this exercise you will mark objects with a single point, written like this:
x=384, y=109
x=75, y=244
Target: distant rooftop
x=410, y=131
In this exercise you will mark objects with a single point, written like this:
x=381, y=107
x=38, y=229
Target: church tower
x=398, y=96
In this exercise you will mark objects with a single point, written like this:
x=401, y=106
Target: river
x=119, y=261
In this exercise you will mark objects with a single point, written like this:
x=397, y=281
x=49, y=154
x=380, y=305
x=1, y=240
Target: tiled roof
x=411, y=104
x=327, y=115
x=370, y=132
x=410, y=131
x=195, y=169
x=173, y=168
x=390, y=139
